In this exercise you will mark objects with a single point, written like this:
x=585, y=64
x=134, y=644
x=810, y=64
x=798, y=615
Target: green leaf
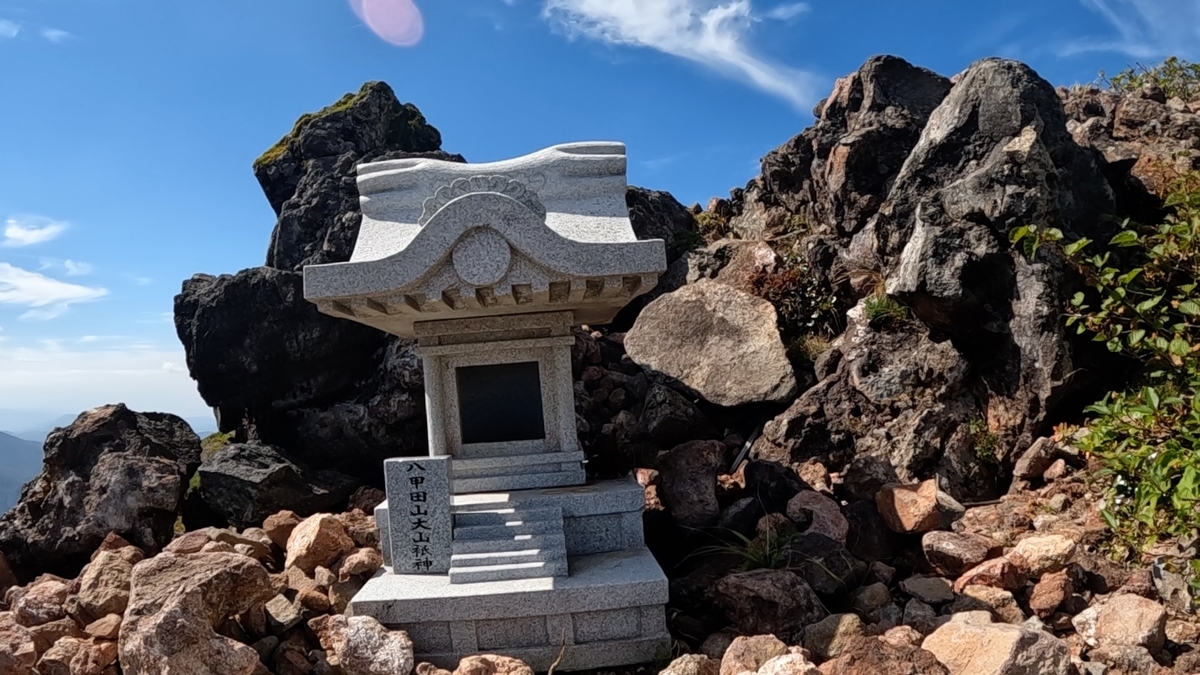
x=1130, y=275
x=1077, y=300
x=1124, y=238
x=1076, y=246
x=1147, y=305
x=1018, y=233
x=1189, y=307
x=1180, y=347
x=1135, y=336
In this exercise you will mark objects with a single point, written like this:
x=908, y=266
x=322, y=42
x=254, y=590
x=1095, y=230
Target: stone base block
x=608, y=612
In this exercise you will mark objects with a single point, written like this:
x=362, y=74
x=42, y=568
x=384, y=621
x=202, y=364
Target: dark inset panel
x=500, y=403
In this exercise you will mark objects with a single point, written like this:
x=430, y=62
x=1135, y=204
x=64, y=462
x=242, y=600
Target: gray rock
x=669, y=419
x=829, y=636
x=721, y=343
x=111, y=470
x=247, y=483
x=825, y=564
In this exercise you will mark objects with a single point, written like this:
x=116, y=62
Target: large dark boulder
x=245, y=483
x=112, y=470
x=309, y=178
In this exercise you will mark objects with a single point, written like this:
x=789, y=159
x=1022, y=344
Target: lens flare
x=396, y=22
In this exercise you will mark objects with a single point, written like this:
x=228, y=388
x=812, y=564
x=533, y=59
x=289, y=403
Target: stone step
x=506, y=516
x=463, y=560
x=525, y=481
x=521, y=542
x=531, y=570
x=543, y=462
x=507, y=530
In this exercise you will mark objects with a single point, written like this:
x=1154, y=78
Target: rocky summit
x=851, y=402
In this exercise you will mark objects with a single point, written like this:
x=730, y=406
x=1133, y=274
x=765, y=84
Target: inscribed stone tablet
x=420, y=524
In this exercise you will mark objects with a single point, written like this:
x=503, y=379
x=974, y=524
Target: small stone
x=279, y=527
x=1057, y=503
x=952, y=553
x=1050, y=592
x=1035, y=460
x=104, y=584
x=998, y=601
x=265, y=647
x=916, y=612
x=870, y=599
x=317, y=541
x=823, y=514
x=826, y=638
x=771, y=524
x=430, y=669
x=1123, y=619
x=491, y=664
x=714, y=645
x=881, y=572
x=324, y=577
x=245, y=549
x=282, y=614
x=57, y=659
x=105, y=628
x=341, y=593
x=998, y=572
x=1129, y=660
x=1036, y=555
x=41, y=603
x=1056, y=471
x=360, y=562
x=789, y=664
x=933, y=590
x=18, y=655
x=360, y=645
x=45, y=635
x=7, y=578
x=692, y=664
x=917, y=508
x=750, y=653
x=314, y=600
x=903, y=636
x=874, y=656
x=968, y=647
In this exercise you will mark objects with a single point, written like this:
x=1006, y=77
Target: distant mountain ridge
x=20, y=461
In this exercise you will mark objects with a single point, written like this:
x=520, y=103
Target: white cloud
x=47, y=298
x=9, y=29
x=55, y=35
x=63, y=378
x=27, y=231
x=716, y=35
x=77, y=269
x=1145, y=29
x=788, y=12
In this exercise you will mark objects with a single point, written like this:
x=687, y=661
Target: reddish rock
x=317, y=541
x=1050, y=592
x=113, y=542
x=41, y=603
x=998, y=602
x=105, y=628
x=18, y=655
x=917, y=508
x=45, y=635
x=279, y=527
x=360, y=645
x=361, y=562
x=998, y=572
x=1123, y=619
x=750, y=653
x=968, y=647
x=1036, y=555
x=492, y=664
x=689, y=482
x=951, y=553
x=175, y=603
x=873, y=656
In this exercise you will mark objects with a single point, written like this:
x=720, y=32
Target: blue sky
x=128, y=126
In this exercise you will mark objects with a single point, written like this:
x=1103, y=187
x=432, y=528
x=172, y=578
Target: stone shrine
x=497, y=541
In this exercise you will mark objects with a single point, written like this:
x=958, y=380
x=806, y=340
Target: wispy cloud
x=788, y=12
x=77, y=269
x=45, y=297
x=30, y=230
x=1145, y=29
x=715, y=35
x=55, y=35
x=9, y=29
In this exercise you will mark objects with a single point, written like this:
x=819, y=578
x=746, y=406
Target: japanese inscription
x=419, y=519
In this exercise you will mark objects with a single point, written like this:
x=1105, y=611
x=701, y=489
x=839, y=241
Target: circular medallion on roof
x=482, y=257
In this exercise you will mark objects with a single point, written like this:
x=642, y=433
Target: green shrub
x=1142, y=302
x=712, y=226
x=1175, y=76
